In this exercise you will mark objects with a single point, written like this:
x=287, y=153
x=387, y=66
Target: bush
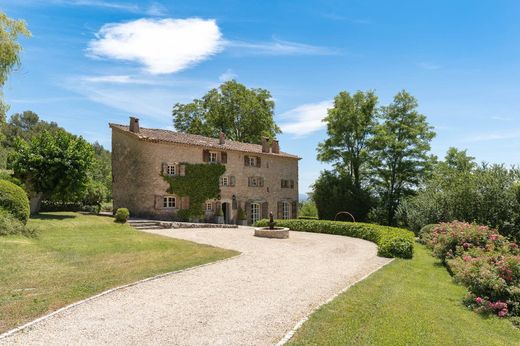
x=14, y=199
x=122, y=215
x=425, y=233
x=11, y=225
x=183, y=215
x=391, y=241
x=307, y=217
x=483, y=261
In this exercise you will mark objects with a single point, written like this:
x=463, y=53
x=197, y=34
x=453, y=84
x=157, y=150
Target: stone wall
x=137, y=180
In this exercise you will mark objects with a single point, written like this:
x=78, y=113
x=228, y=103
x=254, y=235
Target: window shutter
x=164, y=168
x=261, y=182
x=265, y=210
x=223, y=157
x=280, y=210
x=159, y=202
x=246, y=160
x=292, y=184
x=249, y=181
x=205, y=155
x=182, y=170
x=258, y=162
x=185, y=202
x=231, y=180
x=294, y=211
x=217, y=205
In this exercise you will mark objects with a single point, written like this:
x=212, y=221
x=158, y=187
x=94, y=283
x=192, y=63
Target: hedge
x=14, y=199
x=391, y=241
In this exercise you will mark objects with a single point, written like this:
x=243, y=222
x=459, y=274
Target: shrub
x=11, y=225
x=241, y=215
x=391, y=241
x=307, y=217
x=14, y=199
x=183, y=215
x=122, y=215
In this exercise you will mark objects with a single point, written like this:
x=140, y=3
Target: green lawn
x=76, y=256
x=408, y=302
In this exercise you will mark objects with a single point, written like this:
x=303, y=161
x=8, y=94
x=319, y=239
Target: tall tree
x=243, y=114
x=54, y=165
x=350, y=123
x=10, y=48
x=400, y=148
x=25, y=125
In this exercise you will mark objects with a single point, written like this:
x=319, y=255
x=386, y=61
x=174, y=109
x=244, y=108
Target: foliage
x=242, y=114
x=14, y=200
x=407, y=302
x=122, y=215
x=399, y=147
x=483, y=261
x=333, y=192
x=11, y=225
x=200, y=183
x=25, y=126
x=94, y=194
x=391, y=241
x=350, y=123
x=77, y=256
x=425, y=234
x=10, y=48
x=308, y=209
x=101, y=170
x=8, y=175
x=459, y=189
x=241, y=215
x=55, y=164
x=307, y=217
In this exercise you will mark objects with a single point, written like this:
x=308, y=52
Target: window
x=285, y=210
x=213, y=157
x=209, y=206
x=253, y=181
x=285, y=184
x=224, y=181
x=169, y=202
x=170, y=170
x=255, y=212
x=252, y=161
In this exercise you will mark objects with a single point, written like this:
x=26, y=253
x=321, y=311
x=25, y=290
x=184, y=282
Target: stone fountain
x=271, y=231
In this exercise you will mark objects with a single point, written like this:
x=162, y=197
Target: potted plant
x=219, y=215
x=241, y=217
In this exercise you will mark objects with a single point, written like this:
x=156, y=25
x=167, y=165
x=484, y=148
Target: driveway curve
x=252, y=299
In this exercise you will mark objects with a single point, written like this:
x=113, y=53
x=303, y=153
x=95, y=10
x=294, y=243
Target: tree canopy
x=350, y=123
x=242, y=114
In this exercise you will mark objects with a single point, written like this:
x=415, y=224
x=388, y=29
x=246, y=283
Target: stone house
x=259, y=178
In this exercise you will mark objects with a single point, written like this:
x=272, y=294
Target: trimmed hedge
x=391, y=241
x=122, y=215
x=14, y=199
x=308, y=218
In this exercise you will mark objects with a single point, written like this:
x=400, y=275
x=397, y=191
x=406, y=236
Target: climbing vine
x=200, y=183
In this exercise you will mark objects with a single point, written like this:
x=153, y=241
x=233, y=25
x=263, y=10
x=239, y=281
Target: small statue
x=271, y=221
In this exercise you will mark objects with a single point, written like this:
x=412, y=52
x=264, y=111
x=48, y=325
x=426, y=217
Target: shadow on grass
x=53, y=217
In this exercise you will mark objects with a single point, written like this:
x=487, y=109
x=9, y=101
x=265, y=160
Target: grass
x=76, y=256
x=408, y=302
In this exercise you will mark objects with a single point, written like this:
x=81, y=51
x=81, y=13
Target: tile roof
x=158, y=135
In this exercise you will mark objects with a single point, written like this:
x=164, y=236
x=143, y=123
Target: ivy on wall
x=200, y=182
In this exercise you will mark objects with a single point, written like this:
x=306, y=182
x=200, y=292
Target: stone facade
x=258, y=180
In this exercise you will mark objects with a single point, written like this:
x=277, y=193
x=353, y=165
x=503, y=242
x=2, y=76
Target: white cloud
x=305, y=119
x=162, y=46
x=227, y=76
x=154, y=9
x=278, y=47
x=493, y=136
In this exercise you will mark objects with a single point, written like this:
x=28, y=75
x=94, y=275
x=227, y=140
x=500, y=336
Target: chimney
x=265, y=144
x=275, y=147
x=134, y=124
x=221, y=138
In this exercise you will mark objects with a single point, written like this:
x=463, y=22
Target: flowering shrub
x=483, y=261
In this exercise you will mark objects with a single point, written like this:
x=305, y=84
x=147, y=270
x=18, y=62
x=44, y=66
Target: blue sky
x=91, y=62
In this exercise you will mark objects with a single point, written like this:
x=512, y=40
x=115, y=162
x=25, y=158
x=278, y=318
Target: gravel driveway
x=252, y=299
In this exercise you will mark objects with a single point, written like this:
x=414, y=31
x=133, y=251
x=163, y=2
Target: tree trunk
x=35, y=203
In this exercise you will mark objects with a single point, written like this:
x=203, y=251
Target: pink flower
x=466, y=246
x=502, y=313
x=478, y=300
x=493, y=237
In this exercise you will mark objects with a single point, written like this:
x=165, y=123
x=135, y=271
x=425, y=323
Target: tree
x=243, y=114
x=308, y=209
x=350, y=123
x=10, y=48
x=400, y=148
x=25, y=125
x=334, y=192
x=54, y=165
x=101, y=172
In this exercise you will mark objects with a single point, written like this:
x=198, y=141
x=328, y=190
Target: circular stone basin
x=277, y=232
